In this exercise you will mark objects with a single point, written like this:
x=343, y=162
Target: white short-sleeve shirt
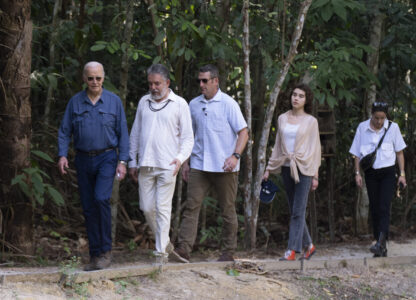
x=216, y=123
x=366, y=140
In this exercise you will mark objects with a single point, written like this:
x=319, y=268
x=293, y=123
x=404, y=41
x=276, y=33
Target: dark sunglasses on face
x=204, y=80
x=98, y=78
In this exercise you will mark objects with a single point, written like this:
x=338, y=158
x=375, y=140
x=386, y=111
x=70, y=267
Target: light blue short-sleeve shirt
x=216, y=123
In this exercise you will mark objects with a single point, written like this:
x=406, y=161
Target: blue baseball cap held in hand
x=268, y=191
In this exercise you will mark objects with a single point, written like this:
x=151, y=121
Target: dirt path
x=351, y=282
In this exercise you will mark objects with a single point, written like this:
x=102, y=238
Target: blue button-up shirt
x=94, y=127
x=216, y=123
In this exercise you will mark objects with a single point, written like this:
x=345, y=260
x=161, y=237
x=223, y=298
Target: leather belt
x=95, y=152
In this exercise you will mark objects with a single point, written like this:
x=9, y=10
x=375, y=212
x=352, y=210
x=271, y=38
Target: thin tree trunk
x=223, y=13
x=152, y=11
x=52, y=55
x=247, y=107
x=362, y=208
x=124, y=76
x=15, y=119
x=261, y=156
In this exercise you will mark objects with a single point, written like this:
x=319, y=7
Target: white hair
x=93, y=64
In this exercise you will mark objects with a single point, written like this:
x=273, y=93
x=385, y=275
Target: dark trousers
x=380, y=187
x=95, y=183
x=297, y=197
x=199, y=184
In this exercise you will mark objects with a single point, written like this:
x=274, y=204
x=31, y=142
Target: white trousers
x=156, y=188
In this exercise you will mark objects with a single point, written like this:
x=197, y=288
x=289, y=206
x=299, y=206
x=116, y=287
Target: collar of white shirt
x=385, y=125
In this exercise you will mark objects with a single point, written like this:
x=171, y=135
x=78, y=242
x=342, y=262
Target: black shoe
x=92, y=265
x=379, y=249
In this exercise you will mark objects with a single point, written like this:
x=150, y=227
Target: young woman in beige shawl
x=297, y=154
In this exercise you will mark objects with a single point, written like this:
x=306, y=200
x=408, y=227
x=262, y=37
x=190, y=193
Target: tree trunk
x=124, y=76
x=223, y=12
x=261, y=156
x=372, y=63
x=15, y=119
x=52, y=55
x=248, y=180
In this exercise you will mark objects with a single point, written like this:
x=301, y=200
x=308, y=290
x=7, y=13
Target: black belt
x=95, y=152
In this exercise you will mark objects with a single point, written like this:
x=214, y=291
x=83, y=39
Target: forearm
x=241, y=141
x=356, y=164
x=400, y=161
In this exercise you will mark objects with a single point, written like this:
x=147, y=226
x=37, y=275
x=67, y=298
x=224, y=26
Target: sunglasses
x=380, y=104
x=204, y=80
x=98, y=78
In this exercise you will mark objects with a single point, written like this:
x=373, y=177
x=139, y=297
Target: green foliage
x=31, y=183
x=233, y=272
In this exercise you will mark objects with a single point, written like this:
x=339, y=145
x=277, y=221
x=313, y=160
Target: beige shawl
x=307, y=154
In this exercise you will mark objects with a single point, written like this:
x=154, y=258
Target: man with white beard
x=160, y=141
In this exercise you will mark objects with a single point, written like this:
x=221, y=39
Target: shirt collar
x=171, y=97
x=385, y=125
x=103, y=96
x=217, y=97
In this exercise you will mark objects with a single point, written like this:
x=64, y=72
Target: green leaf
x=52, y=81
x=233, y=272
x=42, y=155
x=39, y=198
x=159, y=38
x=25, y=189
x=326, y=13
x=98, y=47
x=56, y=196
x=340, y=10
x=188, y=54
x=19, y=178
x=156, y=60
x=238, y=42
x=38, y=184
x=135, y=56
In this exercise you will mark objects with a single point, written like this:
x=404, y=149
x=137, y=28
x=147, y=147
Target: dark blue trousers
x=380, y=184
x=95, y=183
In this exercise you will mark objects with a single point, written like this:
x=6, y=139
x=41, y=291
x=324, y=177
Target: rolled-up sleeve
x=65, y=131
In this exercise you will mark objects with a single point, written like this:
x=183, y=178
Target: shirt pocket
x=365, y=149
x=216, y=121
x=387, y=151
x=108, y=119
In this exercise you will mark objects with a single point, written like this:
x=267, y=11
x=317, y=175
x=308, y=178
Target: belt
x=95, y=152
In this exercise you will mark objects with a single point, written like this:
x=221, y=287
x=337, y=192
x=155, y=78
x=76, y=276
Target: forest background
x=350, y=52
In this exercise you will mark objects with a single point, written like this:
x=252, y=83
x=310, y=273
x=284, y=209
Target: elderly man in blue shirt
x=95, y=119
x=220, y=138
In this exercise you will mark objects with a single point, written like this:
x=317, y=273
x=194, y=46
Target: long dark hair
x=308, y=96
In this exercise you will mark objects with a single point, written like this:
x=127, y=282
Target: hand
x=230, y=164
x=177, y=164
x=121, y=171
x=185, y=171
x=314, y=184
x=266, y=175
x=359, y=180
x=134, y=174
x=62, y=165
x=402, y=180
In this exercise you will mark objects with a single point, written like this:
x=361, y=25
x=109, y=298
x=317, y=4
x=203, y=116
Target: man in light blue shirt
x=95, y=119
x=220, y=138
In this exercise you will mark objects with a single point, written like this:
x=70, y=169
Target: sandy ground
x=397, y=282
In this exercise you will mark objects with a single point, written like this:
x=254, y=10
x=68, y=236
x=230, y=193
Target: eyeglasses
x=204, y=80
x=380, y=104
x=98, y=78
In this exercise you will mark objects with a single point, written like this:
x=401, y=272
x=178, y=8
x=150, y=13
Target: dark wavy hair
x=308, y=96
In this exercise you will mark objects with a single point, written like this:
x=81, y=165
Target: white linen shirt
x=158, y=137
x=216, y=123
x=366, y=140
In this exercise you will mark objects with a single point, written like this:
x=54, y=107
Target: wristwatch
x=237, y=155
x=123, y=162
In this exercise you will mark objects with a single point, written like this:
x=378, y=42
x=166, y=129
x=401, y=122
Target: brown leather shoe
x=104, y=261
x=92, y=265
x=226, y=256
x=180, y=255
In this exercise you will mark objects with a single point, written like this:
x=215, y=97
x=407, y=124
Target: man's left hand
x=177, y=164
x=230, y=164
x=121, y=171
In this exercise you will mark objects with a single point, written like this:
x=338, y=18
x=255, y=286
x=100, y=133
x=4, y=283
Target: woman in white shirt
x=297, y=153
x=380, y=179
